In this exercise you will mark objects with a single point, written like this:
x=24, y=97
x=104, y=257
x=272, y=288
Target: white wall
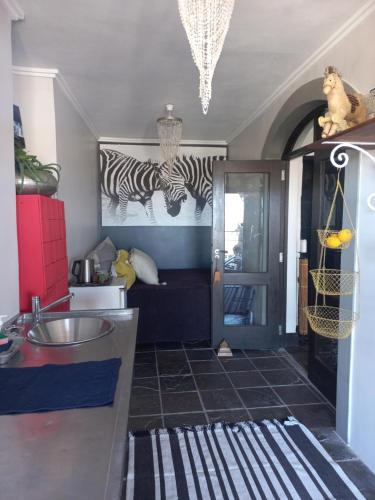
x=362, y=387
x=293, y=242
x=34, y=96
x=9, y=303
x=55, y=132
x=78, y=156
x=354, y=56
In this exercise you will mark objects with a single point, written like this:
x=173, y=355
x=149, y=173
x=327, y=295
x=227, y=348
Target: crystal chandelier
x=206, y=23
x=169, y=132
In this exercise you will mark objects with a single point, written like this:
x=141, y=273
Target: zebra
x=124, y=178
x=197, y=177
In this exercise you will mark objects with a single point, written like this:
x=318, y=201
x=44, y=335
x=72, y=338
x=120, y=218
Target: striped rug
x=240, y=461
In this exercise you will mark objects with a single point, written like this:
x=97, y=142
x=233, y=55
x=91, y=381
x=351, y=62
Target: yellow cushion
x=124, y=269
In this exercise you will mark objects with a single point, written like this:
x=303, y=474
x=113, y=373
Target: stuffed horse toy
x=344, y=110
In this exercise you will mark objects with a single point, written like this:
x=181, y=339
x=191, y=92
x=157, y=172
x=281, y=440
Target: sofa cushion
x=103, y=254
x=144, y=267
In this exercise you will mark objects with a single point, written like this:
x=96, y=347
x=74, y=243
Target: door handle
x=217, y=252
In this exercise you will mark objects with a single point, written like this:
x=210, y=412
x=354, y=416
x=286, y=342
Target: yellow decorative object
x=329, y=238
x=333, y=241
x=345, y=235
x=124, y=269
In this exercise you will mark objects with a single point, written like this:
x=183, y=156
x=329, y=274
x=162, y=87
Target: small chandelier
x=169, y=132
x=206, y=23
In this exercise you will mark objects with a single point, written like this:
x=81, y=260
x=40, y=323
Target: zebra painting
x=124, y=178
x=197, y=177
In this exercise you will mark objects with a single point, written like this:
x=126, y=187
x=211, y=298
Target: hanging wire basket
x=334, y=281
x=324, y=234
x=331, y=322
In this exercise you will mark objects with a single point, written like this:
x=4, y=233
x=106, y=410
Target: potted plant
x=32, y=177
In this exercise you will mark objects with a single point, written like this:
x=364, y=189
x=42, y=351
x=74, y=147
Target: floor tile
x=236, y=365
x=361, y=476
x=167, y=356
x=278, y=412
x=144, y=357
x=180, y=402
x=148, y=383
x=172, y=368
x=177, y=383
x=206, y=381
x=271, y=363
x=247, y=379
x=282, y=377
x=259, y=397
x=200, y=354
x=313, y=416
x=145, y=347
x=230, y=416
x=197, y=344
x=212, y=366
x=220, y=399
x=144, y=423
x=333, y=444
x=254, y=353
x=162, y=346
x=172, y=363
x=184, y=419
x=145, y=403
x=302, y=359
x=144, y=370
x=296, y=394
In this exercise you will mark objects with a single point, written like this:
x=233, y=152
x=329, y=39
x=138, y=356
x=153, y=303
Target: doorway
x=248, y=297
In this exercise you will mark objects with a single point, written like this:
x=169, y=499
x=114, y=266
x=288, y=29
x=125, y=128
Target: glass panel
x=246, y=222
x=326, y=352
x=245, y=305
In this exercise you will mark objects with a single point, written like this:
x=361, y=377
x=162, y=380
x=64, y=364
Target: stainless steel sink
x=67, y=331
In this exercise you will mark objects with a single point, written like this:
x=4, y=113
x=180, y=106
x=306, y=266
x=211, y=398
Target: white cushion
x=103, y=254
x=144, y=267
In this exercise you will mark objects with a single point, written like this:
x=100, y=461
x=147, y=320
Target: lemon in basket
x=345, y=235
x=333, y=241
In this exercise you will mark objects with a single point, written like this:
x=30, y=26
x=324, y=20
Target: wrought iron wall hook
x=341, y=160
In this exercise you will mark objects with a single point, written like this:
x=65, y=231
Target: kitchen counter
x=71, y=454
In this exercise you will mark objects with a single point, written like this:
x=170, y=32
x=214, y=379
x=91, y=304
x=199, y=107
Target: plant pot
x=47, y=186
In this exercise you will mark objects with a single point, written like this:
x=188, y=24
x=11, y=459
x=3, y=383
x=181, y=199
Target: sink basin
x=69, y=331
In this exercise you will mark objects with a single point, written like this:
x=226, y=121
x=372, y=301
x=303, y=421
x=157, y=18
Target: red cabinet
x=43, y=264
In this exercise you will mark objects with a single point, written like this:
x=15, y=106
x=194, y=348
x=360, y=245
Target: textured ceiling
x=124, y=59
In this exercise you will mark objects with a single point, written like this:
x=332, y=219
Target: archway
x=301, y=103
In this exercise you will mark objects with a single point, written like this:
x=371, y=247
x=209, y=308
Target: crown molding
x=183, y=142
x=60, y=80
x=15, y=11
x=40, y=72
x=76, y=104
x=350, y=24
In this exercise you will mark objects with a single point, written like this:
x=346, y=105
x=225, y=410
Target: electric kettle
x=83, y=270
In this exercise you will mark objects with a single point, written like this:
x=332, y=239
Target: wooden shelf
x=363, y=133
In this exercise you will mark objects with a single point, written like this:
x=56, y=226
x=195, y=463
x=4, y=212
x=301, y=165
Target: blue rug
x=58, y=387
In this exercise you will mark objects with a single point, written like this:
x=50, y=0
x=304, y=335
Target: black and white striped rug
x=234, y=461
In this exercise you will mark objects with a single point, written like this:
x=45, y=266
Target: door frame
x=281, y=313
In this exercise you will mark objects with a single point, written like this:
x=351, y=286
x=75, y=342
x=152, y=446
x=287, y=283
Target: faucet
x=36, y=310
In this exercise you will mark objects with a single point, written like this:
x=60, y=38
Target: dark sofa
x=177, y=311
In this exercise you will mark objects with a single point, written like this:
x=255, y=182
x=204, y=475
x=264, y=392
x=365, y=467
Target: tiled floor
x=178, y=384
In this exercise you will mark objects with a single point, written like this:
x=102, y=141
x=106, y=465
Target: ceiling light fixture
x=206, y=23
x=170, y=133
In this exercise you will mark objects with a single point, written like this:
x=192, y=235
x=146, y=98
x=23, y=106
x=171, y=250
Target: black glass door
x=322, y=366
